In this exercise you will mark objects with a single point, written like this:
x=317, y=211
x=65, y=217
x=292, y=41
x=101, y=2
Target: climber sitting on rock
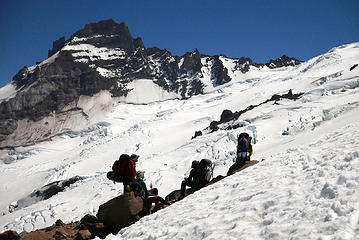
x=149, y=196
x=200, y=175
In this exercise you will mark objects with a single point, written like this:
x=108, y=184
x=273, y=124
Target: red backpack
x=120, y=168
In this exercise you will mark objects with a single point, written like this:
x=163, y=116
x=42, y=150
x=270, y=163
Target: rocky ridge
x=105, y=56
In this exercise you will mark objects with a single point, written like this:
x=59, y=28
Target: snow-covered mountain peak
x=104, y=56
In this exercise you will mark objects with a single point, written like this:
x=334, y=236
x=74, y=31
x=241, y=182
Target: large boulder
x=175, y=195
x=120, y=211
x=9, y=235
x=237, y=167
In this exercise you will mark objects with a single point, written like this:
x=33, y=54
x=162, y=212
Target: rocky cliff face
x=104, y=56
x=283, y=61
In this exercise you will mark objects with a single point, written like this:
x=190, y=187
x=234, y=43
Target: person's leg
x=240, y=162
x=161, y=200
x=153, y=191
x=135, y=186
x=185, y=183
x=147, y=205
x=183, y=187
x=152, y=199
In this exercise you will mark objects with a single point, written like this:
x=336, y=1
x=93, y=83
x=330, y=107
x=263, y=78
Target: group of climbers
x=124, y=170
x=201, y=172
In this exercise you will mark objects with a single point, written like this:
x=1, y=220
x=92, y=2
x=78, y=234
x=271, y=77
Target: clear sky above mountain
x=257, y=29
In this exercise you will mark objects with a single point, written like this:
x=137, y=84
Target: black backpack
x=205, y=171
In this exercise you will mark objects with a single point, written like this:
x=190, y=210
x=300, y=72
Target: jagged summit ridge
x=110, y=49
x=105, y=27
x=105, y=33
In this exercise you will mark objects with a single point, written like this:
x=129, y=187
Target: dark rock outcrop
x=53, y=188
x=9, y=235
x=197, y=134
x=243, y=64
x=191, y=62
x=219, y=72
x=75, y=230
x=56, y=46
x=44, y=193
x=228, y=116
x=59, y=222
x=352, y=67
x=91, y=224
x=283, y=61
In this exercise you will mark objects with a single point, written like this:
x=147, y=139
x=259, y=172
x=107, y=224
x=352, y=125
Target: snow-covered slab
x=144, y=91
x=85, y=51
x=7, y=92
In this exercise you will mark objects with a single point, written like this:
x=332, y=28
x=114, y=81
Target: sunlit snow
x=7, y=92
x=306, y=187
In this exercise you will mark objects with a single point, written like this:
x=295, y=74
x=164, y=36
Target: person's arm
x=250, y=147
x=132, y=170
x=143, y=185
x=192, y=174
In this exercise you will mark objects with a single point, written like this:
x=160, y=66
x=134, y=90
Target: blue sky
x=259, y=29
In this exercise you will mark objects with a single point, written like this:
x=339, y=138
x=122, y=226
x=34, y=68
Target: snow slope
x=305, y=192
x=306, y=187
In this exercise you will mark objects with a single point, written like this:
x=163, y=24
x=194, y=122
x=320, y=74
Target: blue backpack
x=243, y=145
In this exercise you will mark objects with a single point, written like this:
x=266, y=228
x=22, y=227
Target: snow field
x=303, y=193
x=7, y=92
x=306, y=187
